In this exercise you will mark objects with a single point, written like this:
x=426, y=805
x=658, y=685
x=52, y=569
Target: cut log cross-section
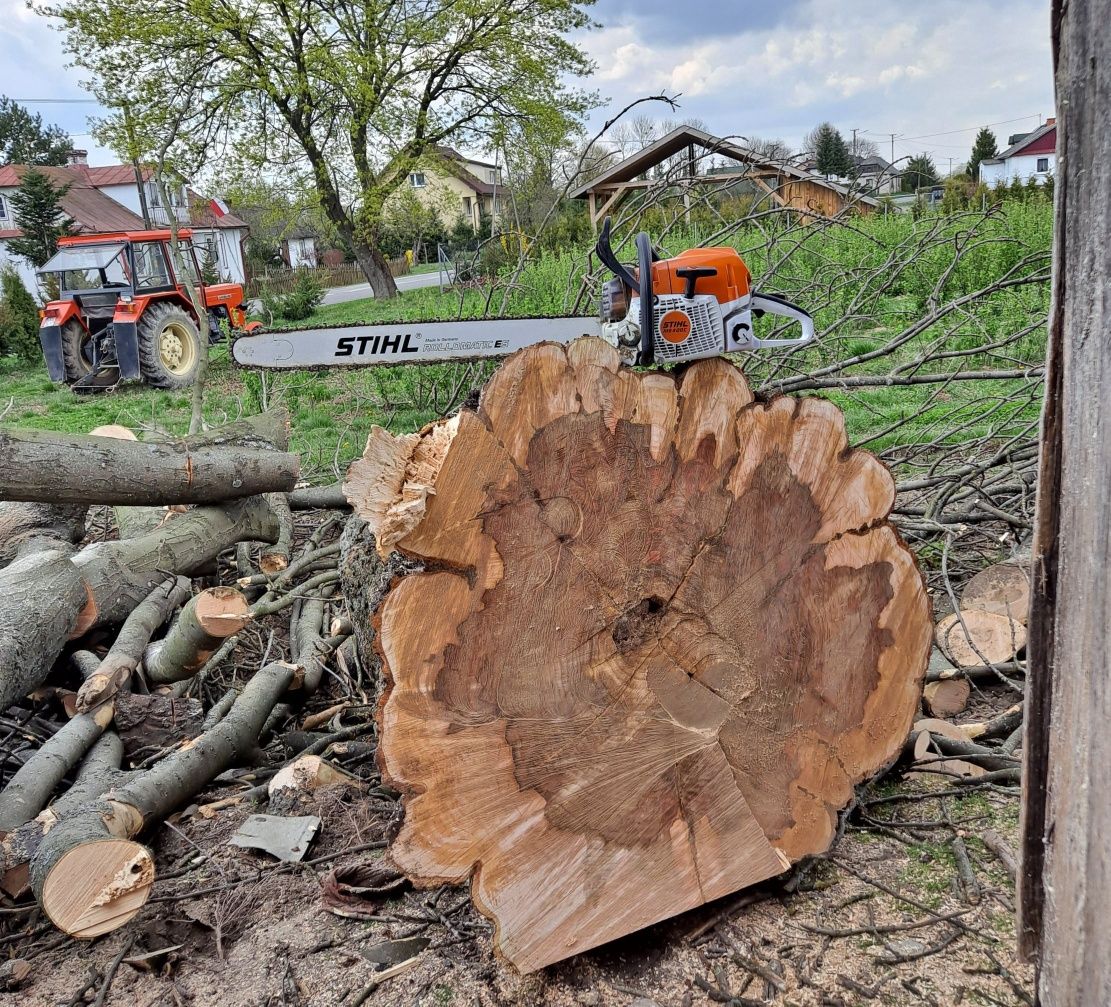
x=662, y=631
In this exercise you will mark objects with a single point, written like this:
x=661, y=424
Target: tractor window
x=190, y=263
x=89, y=267
x=150, y=266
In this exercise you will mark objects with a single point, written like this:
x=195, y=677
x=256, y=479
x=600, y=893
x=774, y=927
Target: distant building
x=1030, y=155
x=107, y=198
x=459, y=187
x=876, y=176
x=299, y=249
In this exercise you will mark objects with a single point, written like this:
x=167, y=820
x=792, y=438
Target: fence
x=281, y=281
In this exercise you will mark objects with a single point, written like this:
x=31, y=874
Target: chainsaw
x=698, y=304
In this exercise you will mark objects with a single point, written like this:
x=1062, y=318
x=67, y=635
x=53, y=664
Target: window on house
x=1043, y=164
x=492, y=175
x=467, y=207
x=417, y=180
x=3, y=209
x=154, y=194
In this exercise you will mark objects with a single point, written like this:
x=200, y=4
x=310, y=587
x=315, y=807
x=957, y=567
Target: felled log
x=31, y=527
x=274, y=558
x=946, y=697
x=205, y=622
x=1002, y=589
x=50, y=598
x=329, y=497
x=663, y=632
x=87, y=873
x=114, y=672
x=79, y=468
x=976, y=637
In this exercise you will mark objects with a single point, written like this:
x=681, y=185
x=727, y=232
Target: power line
x=969, y=129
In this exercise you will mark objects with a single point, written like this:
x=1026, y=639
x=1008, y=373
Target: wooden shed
x=814, y=196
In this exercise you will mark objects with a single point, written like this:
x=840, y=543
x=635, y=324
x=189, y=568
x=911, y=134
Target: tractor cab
x=123, y=313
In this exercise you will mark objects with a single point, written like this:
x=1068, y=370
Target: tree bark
x=50, y=598
x=323, y=497
x=662, y=631
x=114, y=672
x=29, y=527
x=1064, y=881
x=79, y=468
x=376, y=269
x=87, y=873
x=275, y=558
x=207, y=620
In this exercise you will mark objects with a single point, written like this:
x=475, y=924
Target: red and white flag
x=219, y=208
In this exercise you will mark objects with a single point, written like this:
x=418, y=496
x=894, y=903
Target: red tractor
x=123, y=314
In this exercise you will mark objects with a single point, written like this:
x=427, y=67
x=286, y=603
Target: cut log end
x=946, y=698
x=222, y=612
x=668, y=660
x=97, y=886
x=1002, y=589
x=984, y=638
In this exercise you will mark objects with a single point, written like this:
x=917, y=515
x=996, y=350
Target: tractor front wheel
x=169, y=346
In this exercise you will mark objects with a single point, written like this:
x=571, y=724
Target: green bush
x=295, y=306
x=19, y=318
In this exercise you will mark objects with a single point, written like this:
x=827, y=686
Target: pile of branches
x=132, y=575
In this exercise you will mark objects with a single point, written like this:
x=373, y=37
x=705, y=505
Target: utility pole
x=892, y=148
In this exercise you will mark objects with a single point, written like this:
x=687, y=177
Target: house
x=459, y=187
x=1030, y=155
x=111, y=198
x=299, y=249
x=876, y=175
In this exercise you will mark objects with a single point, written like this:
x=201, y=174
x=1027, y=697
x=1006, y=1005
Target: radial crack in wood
x=662, y=631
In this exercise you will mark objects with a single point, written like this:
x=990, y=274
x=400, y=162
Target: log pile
x=632, y=638
x=105, y=646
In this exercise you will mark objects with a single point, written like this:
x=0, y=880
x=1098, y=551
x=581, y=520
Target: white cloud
x=881, y=67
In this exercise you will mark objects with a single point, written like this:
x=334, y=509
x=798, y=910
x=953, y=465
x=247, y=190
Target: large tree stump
x=661, y=632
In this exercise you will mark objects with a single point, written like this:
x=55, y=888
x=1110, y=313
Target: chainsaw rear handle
x=770, y=304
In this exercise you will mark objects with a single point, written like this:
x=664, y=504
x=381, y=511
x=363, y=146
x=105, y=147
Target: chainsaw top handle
x=646, y=255
x=773, y=304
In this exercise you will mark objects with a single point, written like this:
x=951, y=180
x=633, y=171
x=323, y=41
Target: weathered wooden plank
x=1065, y=878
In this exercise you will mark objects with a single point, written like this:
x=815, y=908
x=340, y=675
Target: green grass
x=840, y=274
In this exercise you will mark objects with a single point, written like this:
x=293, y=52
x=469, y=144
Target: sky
x=930, y=73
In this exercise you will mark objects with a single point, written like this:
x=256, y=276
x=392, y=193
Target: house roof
x=1043, y=140
x=115, y=174
x=458, y=168
x=90, y=208
x=684, y=136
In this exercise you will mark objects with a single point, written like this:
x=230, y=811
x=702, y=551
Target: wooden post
x=1065, y=880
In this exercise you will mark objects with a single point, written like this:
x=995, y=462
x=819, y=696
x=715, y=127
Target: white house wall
x=229, y=250
x=25, y=269
x=1021, y=166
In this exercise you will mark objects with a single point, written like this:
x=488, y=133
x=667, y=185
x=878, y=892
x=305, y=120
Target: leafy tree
x=918, y=173
x=19, y=317
x=983, y=147
x=357, y=92
x=37, y=210
x=830, y=150
x=24, y=139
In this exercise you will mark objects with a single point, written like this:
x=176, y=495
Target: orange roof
x=156, y=234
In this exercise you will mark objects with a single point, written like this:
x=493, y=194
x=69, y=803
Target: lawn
x=865, y=284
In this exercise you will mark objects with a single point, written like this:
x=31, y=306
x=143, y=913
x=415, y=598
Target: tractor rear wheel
x=77, y=350
x=169, y=346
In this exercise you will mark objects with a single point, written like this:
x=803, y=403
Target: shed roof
x=684, y=136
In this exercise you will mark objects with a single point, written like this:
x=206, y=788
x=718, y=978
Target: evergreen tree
x=19, y=317
x=36, y=207
x=983, y=147
x=210, y=266
x=918, y=173
x=25, y=140
x=830, y=150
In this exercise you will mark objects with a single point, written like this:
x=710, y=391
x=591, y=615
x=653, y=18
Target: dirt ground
x=883, y=919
